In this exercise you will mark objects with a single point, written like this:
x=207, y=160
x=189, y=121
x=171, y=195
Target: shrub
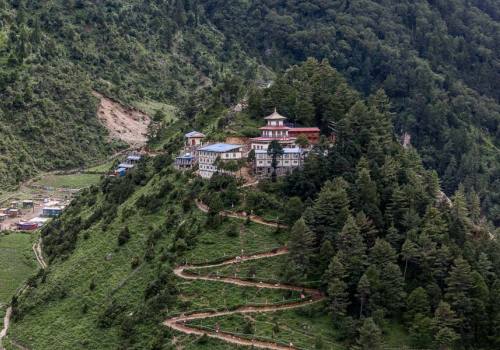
x=123, y=236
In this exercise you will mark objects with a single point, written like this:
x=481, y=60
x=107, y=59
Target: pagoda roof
x=275, y=116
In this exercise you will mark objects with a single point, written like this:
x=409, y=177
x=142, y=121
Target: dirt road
x=37, y=249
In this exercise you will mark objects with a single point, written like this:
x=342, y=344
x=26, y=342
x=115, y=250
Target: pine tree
x=410, y=253
x=367, y=229
x=417, y=303
x=301, y=250
x=326, y=254
x=382, y=253
x=275, y=150
x=351, y=251
x=391, y=289
x=474, y=207
x=394, y=237
x=458, y=291
x=484, y=266
x=330, y=211
x=459, y=208
x=370, y=336
x=494, y=313
x=445, y=338
x=367, y=198
x=434, y=225
x=445, y=321
x=337, y=289
x=363, y=293
x=421, y=331
x=480, y=301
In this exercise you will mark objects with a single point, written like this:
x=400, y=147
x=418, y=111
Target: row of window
x=275, y=133
x=285, y=156
x=284, y=163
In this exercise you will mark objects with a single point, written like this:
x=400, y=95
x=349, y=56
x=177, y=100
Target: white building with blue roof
x=208, y=154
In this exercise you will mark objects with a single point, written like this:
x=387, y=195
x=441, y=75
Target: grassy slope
x=56, y=305
x=69, y=181
x=17, y=262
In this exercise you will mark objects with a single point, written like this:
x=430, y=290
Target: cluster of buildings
x=209, y=156
x=127, y=165
x=26, y=216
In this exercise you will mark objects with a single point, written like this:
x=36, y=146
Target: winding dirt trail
x=178, y=323
x=240, y=215
x=37, y=249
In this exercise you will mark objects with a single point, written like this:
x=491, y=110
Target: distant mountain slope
x=439, y=62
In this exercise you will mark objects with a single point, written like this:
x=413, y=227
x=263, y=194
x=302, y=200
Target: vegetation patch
x=17, y=263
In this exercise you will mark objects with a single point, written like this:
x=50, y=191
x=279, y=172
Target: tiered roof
x=275, y=116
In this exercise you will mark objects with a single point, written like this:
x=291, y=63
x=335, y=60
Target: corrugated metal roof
x=194, y=134
x=126, y=166
x=220, y=147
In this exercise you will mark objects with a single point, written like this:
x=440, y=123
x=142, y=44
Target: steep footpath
x=178, y=323
x=37, y=250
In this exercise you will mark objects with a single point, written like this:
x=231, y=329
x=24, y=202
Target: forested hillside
x=53, y=54
x=438, y=61
x=362, y=222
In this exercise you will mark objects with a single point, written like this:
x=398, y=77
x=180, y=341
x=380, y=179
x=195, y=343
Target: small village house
x=133, y=159
x=3, y=217
x=52, y=212
x=12, y=212
x=26, y=226
x=185, y=161
x=208, y=155
x=194, y=139
x=28, y=204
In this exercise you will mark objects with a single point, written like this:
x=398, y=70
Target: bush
x=232, y=230
x=123, y=236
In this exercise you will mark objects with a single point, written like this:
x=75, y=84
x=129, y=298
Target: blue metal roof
x=219, y=147
x=186, y=156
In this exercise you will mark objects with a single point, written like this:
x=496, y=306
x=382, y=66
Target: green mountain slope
x=398, y=266
x=437, y=61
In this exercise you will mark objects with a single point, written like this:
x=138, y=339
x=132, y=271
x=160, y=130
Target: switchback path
x=240, y=215
x=178, y=323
